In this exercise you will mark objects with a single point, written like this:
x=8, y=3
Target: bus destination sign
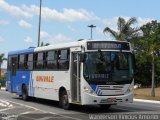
x=109, y=45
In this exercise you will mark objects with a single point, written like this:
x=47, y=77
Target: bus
x=84, y=72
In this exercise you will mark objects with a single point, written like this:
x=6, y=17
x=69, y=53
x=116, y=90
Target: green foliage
x=146, y=48
x=2, y=82
x=2, y=58
x=44, y=44
x=147, y=54
x=125, y=31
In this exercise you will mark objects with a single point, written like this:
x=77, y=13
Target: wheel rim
x=65, y=100
x=24, y=95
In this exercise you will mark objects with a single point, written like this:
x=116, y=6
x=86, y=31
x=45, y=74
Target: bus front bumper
x=90, y=99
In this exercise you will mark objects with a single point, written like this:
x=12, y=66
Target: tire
x=24, y=93
x=64, y=103
x=105, y=106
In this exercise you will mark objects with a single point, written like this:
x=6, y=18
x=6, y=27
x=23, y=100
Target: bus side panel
x=11, y=82
x=22, y=78
x=14, y=83
x=48, y=83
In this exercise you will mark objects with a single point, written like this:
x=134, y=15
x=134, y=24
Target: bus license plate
x=111, y=100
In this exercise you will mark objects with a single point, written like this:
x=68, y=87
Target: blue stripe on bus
x=97, y=90
x=21, y=51
x=93, y=86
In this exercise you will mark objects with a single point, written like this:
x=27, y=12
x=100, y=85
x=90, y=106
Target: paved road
x=11, y=106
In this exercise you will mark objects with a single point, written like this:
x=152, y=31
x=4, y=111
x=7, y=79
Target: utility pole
x=91, y=26
x=39, y=27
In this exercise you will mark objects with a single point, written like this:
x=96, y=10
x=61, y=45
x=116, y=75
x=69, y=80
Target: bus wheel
x=24, y=93
x=105, y=106
x=64, y=101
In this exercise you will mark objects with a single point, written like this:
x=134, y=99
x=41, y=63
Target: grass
x=145, y=93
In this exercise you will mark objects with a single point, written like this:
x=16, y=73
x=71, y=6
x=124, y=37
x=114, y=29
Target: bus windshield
x=108, y=66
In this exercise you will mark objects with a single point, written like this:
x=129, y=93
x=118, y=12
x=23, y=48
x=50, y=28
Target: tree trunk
x=153, y=70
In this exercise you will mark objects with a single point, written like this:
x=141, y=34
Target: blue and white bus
x=84, y=72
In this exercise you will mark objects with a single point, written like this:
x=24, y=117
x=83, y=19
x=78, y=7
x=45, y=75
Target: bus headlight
x=130, y=89
x=88, y=90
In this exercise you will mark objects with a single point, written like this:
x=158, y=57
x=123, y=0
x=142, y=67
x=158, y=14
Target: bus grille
x=106, y=101
x=107, y=87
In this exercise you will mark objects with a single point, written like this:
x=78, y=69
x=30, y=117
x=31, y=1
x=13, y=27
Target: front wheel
x=64, y=101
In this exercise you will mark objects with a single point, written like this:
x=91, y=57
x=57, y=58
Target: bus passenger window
x=21, y=62
x=52, y=60
x=64, y=59
x=9, y=64
x=39, y=62
x=30, y=61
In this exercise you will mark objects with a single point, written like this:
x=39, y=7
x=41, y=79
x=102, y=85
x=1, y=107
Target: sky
x=66, y=20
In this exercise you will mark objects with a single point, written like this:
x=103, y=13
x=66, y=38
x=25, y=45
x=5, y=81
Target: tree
x=2, y=58
x=147, y=49
x=46, y=44
x=125, y=31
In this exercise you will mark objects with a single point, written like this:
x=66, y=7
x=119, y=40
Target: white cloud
x=142, y=21
x=59, y=38
x=1, y=39
x=112, y=22
x=44, y=34
x=13, y=10
x=71, y=28
x=53, y=39
x=69, y=15
x=66, y=14
x=4, y=22
x=28, y=40
x=24, y=24
x=99, y=30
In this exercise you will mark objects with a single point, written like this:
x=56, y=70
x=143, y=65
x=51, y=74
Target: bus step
x=76, y=102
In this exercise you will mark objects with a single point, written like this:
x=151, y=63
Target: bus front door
x=13, y=73
x=75, y=82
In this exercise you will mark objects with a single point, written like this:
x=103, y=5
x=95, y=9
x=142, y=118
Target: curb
x=146, y=101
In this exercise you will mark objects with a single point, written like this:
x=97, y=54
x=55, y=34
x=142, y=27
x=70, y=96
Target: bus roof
x=59, y=46
x=29, y=50
x=71, y=44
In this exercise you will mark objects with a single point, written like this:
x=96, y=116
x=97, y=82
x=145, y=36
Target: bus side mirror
x=82, y=57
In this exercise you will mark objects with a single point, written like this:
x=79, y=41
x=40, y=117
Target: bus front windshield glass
x=112, y=66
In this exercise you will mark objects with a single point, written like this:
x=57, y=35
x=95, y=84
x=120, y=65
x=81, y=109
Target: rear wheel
x=24, y=93
x=64, y=103
x=105, y=106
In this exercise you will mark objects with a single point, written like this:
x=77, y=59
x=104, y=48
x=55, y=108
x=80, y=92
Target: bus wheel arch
x=24, y=92
x=63, y=99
